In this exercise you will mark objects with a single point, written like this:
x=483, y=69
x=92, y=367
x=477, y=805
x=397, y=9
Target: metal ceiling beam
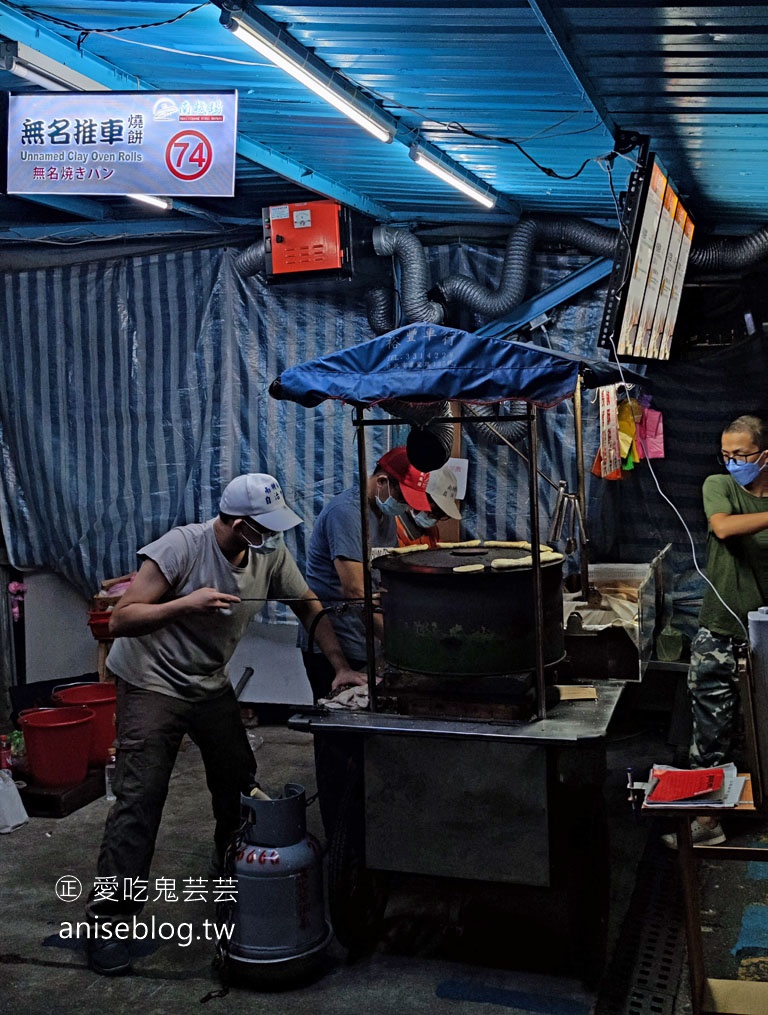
x=37, y=37
x=110, y=229
x=551, y=21
x=306, y=177
x=81, y=206
x=453, y=217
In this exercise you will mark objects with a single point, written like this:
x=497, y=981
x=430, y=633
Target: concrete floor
x=426, y=960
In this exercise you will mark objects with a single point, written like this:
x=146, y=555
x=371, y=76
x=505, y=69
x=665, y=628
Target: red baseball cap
x=412, y=482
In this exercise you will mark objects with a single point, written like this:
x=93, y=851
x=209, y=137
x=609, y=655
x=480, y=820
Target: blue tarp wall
x=133, y=389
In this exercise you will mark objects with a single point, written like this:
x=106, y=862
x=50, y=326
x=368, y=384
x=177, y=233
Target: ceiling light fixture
x=453, y=176
x=157, y=202
x=36, y=78
x=281, y=49
x=39, y=69
x=25, y=62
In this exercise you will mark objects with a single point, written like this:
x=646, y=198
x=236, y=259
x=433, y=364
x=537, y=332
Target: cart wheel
x=357, y=895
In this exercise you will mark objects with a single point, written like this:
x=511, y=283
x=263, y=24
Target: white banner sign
x=115, y=143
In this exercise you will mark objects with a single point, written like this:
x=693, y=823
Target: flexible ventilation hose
x=251, y=260
x=727, y=253
x=407, y=248
x=517, y=260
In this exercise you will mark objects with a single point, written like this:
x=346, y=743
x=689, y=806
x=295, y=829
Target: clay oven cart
x=462, y=798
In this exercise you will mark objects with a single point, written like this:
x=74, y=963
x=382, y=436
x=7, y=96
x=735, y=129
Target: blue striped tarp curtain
x=132, y=390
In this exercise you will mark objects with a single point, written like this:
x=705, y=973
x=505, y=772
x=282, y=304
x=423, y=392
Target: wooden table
x=734, y=997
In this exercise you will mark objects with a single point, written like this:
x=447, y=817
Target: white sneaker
x=702, y=835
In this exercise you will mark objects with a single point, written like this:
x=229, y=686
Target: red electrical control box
x=311, y=236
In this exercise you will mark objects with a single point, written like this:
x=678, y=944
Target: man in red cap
x=412, y=482
x=336, y=558
x=421, y=527
x=335, y=555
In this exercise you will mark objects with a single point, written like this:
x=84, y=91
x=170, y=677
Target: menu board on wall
x=686, y=239
x=649, y=267
x=661, y=265
x=641, y=263
x=117, y=143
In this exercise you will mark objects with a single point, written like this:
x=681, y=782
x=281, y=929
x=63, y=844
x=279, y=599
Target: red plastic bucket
x=57, y=741
x=101, y=699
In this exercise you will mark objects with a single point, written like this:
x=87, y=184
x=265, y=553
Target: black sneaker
x=106, y=954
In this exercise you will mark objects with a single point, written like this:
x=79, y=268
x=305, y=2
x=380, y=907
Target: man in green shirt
x=736, y=506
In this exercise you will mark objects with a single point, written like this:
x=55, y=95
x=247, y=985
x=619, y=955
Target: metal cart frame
x=523, y=800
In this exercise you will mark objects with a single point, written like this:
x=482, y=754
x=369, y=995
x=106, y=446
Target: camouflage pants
x=714, y=692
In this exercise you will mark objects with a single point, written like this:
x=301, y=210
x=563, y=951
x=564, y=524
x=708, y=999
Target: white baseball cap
x=258, y=496
x=442, y=488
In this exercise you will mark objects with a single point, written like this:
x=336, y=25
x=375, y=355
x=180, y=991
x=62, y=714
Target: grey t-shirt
x=188, y=657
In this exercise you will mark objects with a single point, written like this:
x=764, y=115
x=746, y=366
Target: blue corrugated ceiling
x=526, y=96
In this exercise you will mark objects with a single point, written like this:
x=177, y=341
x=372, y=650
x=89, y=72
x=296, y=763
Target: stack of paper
x=696, y=788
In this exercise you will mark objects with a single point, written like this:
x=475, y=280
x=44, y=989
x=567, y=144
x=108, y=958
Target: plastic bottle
x=109, y=774
x=5, y=752
x=669, y=644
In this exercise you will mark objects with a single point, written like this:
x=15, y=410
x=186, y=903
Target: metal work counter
x=510, y=804
x=569, y=722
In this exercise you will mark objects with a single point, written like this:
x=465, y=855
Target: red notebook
x=683, y=784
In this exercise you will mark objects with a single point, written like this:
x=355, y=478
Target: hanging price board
x=115, y=143
x=610, y=450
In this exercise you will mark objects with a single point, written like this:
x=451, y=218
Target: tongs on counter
x=566, y=517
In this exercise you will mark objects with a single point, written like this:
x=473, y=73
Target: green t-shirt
x=736, y=566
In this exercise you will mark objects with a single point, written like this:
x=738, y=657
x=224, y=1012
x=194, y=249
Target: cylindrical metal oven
x=479, y=620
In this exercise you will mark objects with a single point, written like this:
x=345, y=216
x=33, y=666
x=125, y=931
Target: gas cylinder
x=278, y=925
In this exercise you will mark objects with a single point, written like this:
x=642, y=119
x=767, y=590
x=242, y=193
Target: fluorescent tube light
x=271, y=47
x=452, y=177
x=30, y=74
x=39, y=69
x=157, y=202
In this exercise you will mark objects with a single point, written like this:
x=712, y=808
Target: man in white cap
x=176, y=627
x=420, y=527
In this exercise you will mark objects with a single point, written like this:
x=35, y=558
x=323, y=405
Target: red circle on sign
x=189, y=155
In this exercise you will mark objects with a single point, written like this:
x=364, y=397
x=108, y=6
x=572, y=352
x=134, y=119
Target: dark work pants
x=713, y=683
x=150, y=727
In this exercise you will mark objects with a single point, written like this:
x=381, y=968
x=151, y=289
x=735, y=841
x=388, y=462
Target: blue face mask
x=424, y=519
x=390, y=506
x=268, y=545
x=744, y=472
